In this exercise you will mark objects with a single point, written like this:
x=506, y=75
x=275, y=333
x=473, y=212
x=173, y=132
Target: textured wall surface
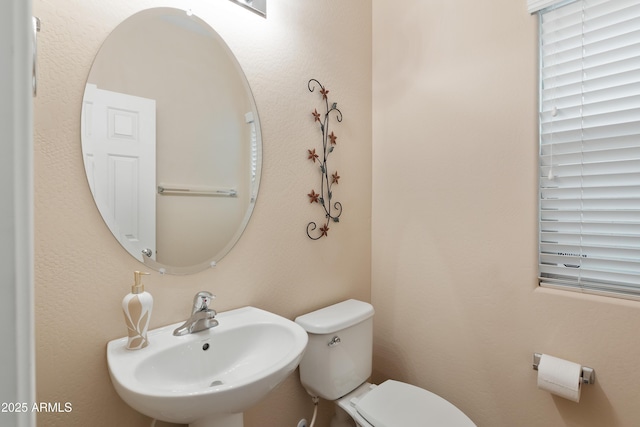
x=81, y=271
x=454, y=259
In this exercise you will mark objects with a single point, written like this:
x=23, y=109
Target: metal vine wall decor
x=329, y=141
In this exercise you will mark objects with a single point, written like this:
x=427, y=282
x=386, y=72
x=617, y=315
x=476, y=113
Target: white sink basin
x=210, y=376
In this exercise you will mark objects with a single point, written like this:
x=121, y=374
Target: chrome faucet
x=202, y=317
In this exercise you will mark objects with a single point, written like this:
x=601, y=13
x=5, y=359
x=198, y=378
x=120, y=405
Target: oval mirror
x=171, y=141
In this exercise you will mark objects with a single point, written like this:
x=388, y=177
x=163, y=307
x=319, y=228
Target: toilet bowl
x=337, y=364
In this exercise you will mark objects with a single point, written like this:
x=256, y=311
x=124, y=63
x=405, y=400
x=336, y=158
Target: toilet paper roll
x=560, y=377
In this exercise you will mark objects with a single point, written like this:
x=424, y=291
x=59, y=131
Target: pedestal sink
x=208, y=378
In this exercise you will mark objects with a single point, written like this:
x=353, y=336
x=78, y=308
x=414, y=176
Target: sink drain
x=215, y=383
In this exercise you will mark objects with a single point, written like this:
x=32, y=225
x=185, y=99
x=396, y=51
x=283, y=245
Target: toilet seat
x=397, y=404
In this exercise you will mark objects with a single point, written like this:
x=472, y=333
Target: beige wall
x=454, y=235
x=81, y=271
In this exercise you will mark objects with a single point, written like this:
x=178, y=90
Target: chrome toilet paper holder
x=588, y=374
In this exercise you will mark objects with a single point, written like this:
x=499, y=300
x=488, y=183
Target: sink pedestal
x=220, y=420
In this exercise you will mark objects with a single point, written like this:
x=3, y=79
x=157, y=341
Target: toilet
x=337, y=364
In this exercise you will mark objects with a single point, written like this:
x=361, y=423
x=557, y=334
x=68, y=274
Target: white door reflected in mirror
x=119, y=146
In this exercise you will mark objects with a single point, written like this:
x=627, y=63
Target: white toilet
x=337, y=364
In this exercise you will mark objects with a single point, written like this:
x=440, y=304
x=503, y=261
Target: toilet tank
x=338, y=356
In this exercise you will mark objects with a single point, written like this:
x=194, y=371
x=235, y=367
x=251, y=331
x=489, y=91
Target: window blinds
x=590, y=146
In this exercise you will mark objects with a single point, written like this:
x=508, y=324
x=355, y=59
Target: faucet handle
x=202, y=300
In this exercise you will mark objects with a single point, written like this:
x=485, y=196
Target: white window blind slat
x=574, y=70
x=574, y=83
x=578, y=226
x=623, y=34
x=554, y=254
x=619, y=216
x=610, y=181
x=591, y=193
x=604, y=168
x=598, y=205
x=590, y=279
x=594, y=119
x=609, y=13
x=605, y=132
x=568, y=147
x=625, y=97
x=571, y=239
x=593, y=267
x=588, y=157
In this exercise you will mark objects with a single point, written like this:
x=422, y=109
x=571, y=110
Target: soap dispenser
x=137, y=308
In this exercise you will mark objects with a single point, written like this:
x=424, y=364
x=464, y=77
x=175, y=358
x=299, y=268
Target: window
x=589, y=181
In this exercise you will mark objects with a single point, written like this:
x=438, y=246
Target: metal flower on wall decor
x=332, y=210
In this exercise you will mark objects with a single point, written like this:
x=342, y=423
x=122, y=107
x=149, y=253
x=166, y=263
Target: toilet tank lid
x=335, y=317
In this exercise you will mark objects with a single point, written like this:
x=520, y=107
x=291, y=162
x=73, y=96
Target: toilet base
x=342, y=419
x=346, y=414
